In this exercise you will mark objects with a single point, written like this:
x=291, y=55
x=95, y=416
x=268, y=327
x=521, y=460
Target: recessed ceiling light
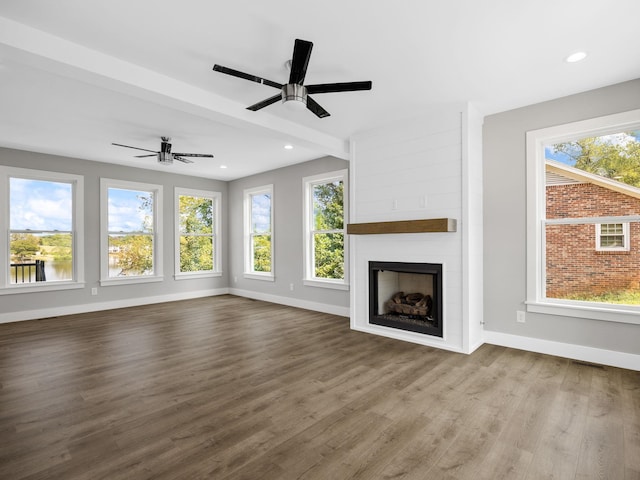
x=288, y=147
x=576, y=57
x=223, y=166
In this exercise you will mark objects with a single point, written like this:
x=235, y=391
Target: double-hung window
x=42, y=248
x=612, y=237
x=258, y=232
x=583, y=219
x=325, y=230
x=131, y=232
x=197, y=233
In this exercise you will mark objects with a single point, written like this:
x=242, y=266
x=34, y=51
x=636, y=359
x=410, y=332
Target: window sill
x=608, y=313
x=195, y=275
x=30, y=288
x=326, y=284
x=267, y=277
x=110, y=282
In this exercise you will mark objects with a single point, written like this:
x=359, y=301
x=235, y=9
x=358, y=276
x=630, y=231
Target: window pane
x=575, y=270
x=329, y=255
x=261, y=213
x=40, y=205
x=130, y=211
x=261, y=249
x=196, y=214
x=611, y=229
x=196, y=253
x=328, y=206
x=611, y=241
x=41, y=257
x=130, y=255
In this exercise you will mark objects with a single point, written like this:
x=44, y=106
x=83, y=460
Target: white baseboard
x=567, y=350
x=292, y=302
x=95, y=307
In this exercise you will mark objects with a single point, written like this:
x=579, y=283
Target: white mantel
x=430, y=167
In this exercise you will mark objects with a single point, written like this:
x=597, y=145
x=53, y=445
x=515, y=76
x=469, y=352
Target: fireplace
x=406, y=296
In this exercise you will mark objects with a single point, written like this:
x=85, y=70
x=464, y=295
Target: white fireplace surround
x=426, y=168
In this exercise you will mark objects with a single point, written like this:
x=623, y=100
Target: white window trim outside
x=215, y=197
x=308, y=183
x=536, y=212
x=625, y=238
x=77, y=184
x=248, y=234
x=105, y=185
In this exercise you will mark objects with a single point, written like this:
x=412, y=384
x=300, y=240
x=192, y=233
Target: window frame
x=625, y=238
x=308, y=184
x=77, y=229
x=536, y=140
x=249, y=272
x=215, y=234
x=157, y=235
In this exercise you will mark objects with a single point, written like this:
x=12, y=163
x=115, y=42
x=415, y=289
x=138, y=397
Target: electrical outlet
x=520, y=316
x=235, y=279
x=291, y=287
x=94, y=291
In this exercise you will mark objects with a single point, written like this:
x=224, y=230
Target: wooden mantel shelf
x=404, y=226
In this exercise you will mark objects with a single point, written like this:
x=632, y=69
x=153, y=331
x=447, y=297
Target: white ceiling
x=76, y=75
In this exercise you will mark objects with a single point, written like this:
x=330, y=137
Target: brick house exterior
x=574, y=263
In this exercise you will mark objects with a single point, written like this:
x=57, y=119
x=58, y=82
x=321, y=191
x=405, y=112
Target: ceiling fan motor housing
x=165, y=158
x=294, y=92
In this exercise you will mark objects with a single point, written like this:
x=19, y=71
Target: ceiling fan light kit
x=295, y=93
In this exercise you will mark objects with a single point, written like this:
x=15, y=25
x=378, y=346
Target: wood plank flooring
x=230, y=388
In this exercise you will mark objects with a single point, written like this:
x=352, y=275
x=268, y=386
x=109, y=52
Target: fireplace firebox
x=407, y=296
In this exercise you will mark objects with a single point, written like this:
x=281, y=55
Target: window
x=583, y=219
x=43, y=217
x=197, y=224
x=325, y=229
x=131, y=233
x=612, y=237
x=258, y=204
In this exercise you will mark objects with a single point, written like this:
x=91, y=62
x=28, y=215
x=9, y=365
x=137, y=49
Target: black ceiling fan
x=295, y=90
x=165, y=156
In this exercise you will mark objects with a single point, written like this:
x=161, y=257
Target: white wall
x=505, y=232
x=422, y=169
x=46, y=304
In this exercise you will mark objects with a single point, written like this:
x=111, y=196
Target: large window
x=43, y=217
x=583, y=219
x=197, y=233
x=131, y=234
x=325, y=229
x=258, y=205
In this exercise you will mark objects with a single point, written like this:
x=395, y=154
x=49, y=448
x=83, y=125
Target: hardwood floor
x=230, y=388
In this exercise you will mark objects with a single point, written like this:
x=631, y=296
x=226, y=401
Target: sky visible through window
x=128, y=211
x=261, y=213
x=616, y=138
x=47, y=206
x=40, y=205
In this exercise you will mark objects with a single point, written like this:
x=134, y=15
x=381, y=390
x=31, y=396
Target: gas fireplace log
x=412, y=304
x=398, y=297
x=414, y=298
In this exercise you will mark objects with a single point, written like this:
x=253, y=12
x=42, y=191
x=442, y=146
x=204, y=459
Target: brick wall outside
x=573, y=264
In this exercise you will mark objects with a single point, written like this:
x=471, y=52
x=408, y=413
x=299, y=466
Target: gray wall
x=288, y=233
x=92, y=172
x=505, y=217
